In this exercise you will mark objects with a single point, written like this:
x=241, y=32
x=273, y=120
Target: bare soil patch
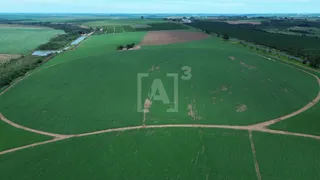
x=85, y=27
x=153, y=68
x=241, y=108
x=247, y=65
x=232, y=58
x=244, y=22
x=193, y=113
x=147, y=106
x=224, y=88
x=171, y=37
x=7, y=57
x=285, y=90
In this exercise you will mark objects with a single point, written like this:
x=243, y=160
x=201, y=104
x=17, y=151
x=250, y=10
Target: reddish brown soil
x=244, y=22
x=171, y=37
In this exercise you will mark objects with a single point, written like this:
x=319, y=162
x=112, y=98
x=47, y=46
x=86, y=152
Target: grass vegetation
x=4, y=58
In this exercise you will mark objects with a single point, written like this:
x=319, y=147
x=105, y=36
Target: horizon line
x=153, y=13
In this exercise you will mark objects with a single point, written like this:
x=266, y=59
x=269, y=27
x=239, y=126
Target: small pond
x=77, y=41
x=44, y=53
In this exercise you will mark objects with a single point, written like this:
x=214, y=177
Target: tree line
x=126, y=47
x=300, y=46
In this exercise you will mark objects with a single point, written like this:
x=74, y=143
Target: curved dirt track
x=30, y=129
x=253, y=150
x=59, y=137
x=260, y=127
x=308, y=106
x=31, y=145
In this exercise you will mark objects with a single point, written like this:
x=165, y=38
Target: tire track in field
x=253, y=149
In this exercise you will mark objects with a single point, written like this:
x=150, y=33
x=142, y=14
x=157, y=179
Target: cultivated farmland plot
x=115, y=22
x=22, y=39
x=184, y=106
x=110, y=29
x=118, y=29
x=128, y=28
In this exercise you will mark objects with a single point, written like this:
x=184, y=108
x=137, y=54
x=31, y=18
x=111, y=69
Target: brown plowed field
x=171, y=37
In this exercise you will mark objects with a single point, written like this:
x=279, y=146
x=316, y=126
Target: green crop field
x=285, y=157
x=110, y=29
x=128, y=28
x=162, y=26
x=159, y=154
x=149, y=27
x=90, y=97
x=20, y=40
x=118, y=29
x=245, y=82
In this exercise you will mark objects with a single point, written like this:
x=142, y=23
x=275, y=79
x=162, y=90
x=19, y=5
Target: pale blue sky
x=161, y=6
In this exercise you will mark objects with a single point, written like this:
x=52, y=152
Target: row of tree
x=224, y=36
x=126, y=47
x=299, y=46
x=314, y=60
